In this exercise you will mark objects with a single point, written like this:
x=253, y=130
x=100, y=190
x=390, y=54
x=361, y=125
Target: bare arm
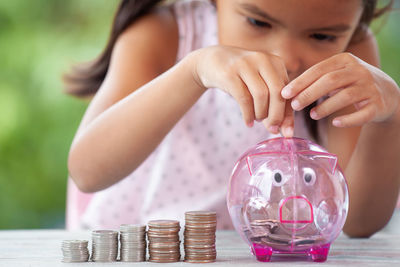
x=116, y=135
x=373, y=169
x=119, y=139
x=136, y=106
x=370, y=156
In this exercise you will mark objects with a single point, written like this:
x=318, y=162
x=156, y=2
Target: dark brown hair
x=85, y=79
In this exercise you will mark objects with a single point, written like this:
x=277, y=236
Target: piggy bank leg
x=319, y=253
x=263, y=253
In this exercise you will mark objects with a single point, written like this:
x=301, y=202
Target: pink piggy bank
x=288, y=196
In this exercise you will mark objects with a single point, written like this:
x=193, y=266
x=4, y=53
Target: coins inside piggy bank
x=288, y=196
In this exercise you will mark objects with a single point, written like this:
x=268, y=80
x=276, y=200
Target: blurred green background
x=39, y=40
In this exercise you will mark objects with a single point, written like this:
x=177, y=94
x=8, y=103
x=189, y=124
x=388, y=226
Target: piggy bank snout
x=296, y=212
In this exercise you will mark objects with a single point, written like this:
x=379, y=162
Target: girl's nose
x=291, y=53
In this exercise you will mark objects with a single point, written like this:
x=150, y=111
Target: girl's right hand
x=254, y=79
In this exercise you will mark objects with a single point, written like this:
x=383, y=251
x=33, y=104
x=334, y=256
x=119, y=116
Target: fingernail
x=286, y=91
x=313, y=115
x=287, y=131
x=296, y=105
x=250, y=124
x=337, y=123
x=273, y=129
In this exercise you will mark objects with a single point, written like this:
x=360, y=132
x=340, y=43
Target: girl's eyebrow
x=339, y=28
x=257, y=11
x=334, y=28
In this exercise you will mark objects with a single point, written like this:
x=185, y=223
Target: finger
x=315, y=72
x=288, y=121
x=358, y=118
x=327, y=83
x=239, y=91
x=259, y=92
x=275, y=80
x=276, y=111
x=342, y=99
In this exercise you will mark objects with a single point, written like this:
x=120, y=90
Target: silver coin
x=104, y=245
x=75, y=250
x=132, y=228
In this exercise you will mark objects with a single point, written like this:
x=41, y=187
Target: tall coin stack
x=133, y=242
x=75, y=250
x=104, y=245
x=164, y=244
x=199, y=243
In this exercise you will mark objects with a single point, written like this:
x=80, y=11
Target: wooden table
x=42, y=248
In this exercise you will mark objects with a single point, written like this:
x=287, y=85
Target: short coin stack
x=199, y=243
x=133, y=242
x=75, y=250
x=164, y=244
x=104, y=245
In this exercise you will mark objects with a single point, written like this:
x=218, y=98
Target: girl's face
x=301, y=32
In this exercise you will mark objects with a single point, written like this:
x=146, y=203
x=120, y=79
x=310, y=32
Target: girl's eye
x=277, y=178
x=323, y=37
x=309, y=176
x=258, y=23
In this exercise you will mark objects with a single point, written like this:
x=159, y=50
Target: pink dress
x=191, y=167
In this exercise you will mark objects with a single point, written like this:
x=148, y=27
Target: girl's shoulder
x=177, y=27
x=146, y=49
x=155, y=34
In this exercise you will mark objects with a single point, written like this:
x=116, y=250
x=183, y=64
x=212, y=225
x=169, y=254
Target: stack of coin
x=199, y=243
x=164, y=244
x=133, y=242
x=104, y=245
x=75, y=250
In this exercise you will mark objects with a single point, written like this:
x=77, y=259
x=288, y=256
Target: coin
x=133, y=242
x=164, y=243
x=104, y=245
x=75, y=250
x=199, y=236
x=269, y=232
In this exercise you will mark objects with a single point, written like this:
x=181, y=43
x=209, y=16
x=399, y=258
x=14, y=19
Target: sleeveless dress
x=190, y=169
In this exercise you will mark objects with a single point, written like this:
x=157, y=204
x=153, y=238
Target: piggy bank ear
x=326, y=160
x=272, y=160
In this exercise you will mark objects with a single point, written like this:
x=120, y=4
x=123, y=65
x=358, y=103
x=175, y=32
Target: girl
x=156, y=141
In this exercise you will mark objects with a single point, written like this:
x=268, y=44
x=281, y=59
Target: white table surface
x=42, y=248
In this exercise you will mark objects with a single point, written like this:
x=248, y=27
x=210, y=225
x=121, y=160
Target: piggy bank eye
x=309, y=176
x=277, y=178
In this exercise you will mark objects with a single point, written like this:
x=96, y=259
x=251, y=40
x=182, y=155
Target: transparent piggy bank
x=288, y=196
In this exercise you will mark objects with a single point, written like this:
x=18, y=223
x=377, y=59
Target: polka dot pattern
x=190, y=169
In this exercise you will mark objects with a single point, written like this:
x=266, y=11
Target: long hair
x=85, y=79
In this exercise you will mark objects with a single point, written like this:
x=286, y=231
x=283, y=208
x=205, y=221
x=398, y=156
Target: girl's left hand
x=346, y=80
